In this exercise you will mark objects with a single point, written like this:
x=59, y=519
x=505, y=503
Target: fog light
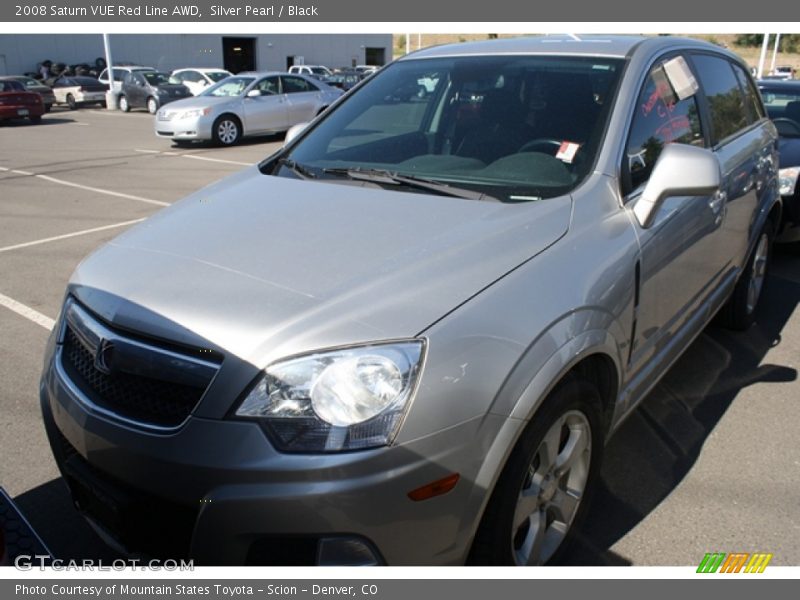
x=345, y=552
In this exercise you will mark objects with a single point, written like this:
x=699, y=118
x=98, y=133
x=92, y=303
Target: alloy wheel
x=552, y=490
x=227, y=132
x=758, y=272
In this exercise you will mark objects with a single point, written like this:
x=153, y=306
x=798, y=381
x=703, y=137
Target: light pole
x=111, y=94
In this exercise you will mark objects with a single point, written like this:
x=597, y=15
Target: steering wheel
x=786, y=126
x=547, y=145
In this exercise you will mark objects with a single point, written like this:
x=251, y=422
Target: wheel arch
x=595, y=356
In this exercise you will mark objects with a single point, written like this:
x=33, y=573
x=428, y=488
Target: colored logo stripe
x=734, y=563
x=758, y=563
x=711, y=562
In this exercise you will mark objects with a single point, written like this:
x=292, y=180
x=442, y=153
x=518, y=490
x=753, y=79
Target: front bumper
x=218, y=492
x=193, y=128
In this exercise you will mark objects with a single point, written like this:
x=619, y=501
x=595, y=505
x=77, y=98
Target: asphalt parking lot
x=710, y=462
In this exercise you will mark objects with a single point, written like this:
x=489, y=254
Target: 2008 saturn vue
x=406, y=337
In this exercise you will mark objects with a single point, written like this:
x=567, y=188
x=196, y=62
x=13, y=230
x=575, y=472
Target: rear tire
x=123, y=104
x=73, y=105
x=544, y=491
x=152, y=105
x=35, y=120
x=739, y=313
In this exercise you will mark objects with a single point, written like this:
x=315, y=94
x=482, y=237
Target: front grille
x=139, y=521
x=144, y=399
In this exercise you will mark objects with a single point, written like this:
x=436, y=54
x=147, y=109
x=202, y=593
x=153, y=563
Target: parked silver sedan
x=406, y=336
x=245, y=104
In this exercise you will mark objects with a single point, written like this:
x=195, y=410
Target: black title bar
x=338, y=11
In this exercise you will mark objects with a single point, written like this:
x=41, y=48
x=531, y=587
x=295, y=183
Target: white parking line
x=194, y=156
x=27, y=312
x=87, y=187
x=69, y=235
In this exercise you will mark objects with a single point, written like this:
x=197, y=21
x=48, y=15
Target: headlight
x=787, y=180
x=198, y=112
x=347, y=399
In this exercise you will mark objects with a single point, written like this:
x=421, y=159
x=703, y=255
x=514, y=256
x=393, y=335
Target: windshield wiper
x=392, y=178
x=296, y=168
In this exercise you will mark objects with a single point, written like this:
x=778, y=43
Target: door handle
x=717, y=201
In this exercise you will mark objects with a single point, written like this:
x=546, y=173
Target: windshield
x=28, y=82
x=11, y=86
x=320, y=71
x=154, y=78
x=783, y=104
x=516, y=128
x=229, y=87
x=216, y=76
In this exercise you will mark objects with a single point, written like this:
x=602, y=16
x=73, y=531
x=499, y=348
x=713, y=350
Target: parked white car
x=315, y=71
x=119, y=74
x=198, y=80
x=245, y=104
x=75, y=91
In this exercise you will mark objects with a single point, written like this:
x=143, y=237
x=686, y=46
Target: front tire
x=227, y=130
x=71, y=102
x=543, y=493
x=35, y=120
x=739, y=313
x=124, y=106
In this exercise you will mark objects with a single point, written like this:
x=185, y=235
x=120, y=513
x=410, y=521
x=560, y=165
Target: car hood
x=264, y=267
x=172, y=87
x=789, y=149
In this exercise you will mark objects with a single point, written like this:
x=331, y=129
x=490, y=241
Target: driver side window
x=660, y=118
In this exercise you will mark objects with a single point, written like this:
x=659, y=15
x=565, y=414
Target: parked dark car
x=782, y=101
x=17, y=103
x=32, y=85
x=150, y=90
x=344, y=80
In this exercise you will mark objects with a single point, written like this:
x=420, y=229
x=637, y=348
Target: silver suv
x=406, y=337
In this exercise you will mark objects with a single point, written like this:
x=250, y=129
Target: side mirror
x=253, y=93
x=681, y=170
x=294, y=132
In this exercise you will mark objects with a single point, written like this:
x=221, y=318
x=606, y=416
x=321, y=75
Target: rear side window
x=295, y=85
x=726, y=100
x=660, y=119
x=755, y=111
